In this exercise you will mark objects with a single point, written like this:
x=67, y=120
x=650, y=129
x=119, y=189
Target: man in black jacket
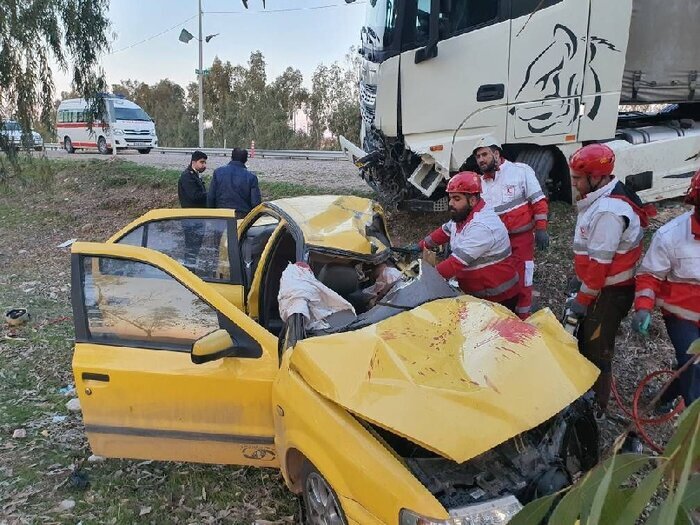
x=193, y=194
x=190, y=187
x=233, y=186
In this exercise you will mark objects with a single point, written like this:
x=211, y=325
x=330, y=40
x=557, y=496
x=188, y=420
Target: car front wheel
x=321, y=505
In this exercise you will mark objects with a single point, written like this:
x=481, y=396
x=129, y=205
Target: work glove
x=575, y=308
x=413, y=249
x=542, y=239
x=641, y=321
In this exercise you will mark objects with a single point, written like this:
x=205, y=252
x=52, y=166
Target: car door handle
x=489, y=92
x=91, y=376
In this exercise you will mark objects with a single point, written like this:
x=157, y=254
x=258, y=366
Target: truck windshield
x=130, y=114
x=378, y=32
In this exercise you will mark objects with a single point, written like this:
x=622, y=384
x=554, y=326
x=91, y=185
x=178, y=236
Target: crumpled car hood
x=457, y=376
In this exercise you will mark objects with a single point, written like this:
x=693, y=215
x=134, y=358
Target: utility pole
x=201, y=80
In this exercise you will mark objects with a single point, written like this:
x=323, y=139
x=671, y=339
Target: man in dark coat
x=193, y=194
x=190, y=187
x=233, y=186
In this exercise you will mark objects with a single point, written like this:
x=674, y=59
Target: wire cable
x=283, y=10
x=152, y=36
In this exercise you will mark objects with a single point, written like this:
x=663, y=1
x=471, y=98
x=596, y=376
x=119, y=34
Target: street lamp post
x=185, y=37
x=201, y=81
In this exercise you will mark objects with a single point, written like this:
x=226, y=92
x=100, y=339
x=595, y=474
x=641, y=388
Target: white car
x=12, y=132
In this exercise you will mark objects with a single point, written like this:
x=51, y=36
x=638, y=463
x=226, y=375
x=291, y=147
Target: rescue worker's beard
x=460, y=216
x=490, y=168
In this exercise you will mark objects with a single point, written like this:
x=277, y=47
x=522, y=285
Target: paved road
x=333, y=175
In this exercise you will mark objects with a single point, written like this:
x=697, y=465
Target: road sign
x=203, y=72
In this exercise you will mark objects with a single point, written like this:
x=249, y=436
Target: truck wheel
x=541, y=160
x=321, y=505
x=68, y=145
x=102, y=146
x=144, y=151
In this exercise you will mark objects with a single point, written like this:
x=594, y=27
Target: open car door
x=204, y=241
x=137, y=314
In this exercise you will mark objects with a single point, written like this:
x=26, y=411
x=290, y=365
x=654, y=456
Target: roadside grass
x=88, y=200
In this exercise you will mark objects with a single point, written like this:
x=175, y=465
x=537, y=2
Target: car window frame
x=251, y=348
x=235, y=263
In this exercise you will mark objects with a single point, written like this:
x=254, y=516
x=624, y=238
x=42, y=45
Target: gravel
x=331, y=174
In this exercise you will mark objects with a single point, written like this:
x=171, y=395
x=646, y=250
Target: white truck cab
x=540, y=77
x=126, y=126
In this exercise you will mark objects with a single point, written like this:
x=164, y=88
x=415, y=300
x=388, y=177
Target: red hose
x=640, y=422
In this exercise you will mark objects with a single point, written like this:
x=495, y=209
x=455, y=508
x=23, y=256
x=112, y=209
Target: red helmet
x=594, y=160
x=465, y=182
x=693, y=195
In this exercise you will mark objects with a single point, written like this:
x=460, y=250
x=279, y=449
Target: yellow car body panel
x=356, y=464
x=159, y=405
x=474, y=360
x=334, y=222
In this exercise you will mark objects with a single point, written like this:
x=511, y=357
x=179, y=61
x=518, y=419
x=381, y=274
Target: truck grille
x=368, y=101
x=142, y=132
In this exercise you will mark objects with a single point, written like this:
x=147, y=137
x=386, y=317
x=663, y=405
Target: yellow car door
x=137, y=315
x=204, y=241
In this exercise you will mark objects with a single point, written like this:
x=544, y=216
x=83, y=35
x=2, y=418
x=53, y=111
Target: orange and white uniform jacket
x=515, y=195
x=670, y=272
x=608, y=239
x=481, y=258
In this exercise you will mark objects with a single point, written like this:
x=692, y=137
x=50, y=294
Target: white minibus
x=127, y=126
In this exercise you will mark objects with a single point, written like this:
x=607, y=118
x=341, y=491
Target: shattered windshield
x=380, y=24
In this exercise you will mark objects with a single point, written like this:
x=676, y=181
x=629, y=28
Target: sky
x=145, y=43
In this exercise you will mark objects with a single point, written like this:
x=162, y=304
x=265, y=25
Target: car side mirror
x=215, y=345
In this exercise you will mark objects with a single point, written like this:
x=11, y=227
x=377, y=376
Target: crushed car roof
x=346, y=223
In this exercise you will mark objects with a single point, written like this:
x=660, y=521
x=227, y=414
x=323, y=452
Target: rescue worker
x=481, y=258
x=515, y=194
x=670, y=277
x=607, y=247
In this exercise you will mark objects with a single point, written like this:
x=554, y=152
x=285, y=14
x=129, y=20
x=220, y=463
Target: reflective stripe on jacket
x=607, y=242
x=517, y=198
x=670, y=272
x=481, y=257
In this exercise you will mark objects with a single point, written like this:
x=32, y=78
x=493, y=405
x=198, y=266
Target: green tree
x=73, y=32
x=334, y=101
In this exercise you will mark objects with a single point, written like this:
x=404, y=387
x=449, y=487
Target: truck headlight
x=494, y=512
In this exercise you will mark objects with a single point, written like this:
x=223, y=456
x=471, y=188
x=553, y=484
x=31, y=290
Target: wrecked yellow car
x=424, y=406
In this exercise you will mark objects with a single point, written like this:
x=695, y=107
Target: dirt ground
x=45, y=475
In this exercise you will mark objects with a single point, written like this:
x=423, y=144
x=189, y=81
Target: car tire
x=102, y=146
x=321, y=505
x=38, y=148
x=68, y=145
x=144, y=151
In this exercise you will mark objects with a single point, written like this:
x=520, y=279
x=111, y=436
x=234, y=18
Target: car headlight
x=153, y=133
x=118, y=132
x=494, y=512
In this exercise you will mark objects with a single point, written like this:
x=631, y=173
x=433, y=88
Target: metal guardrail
x=259, y=153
